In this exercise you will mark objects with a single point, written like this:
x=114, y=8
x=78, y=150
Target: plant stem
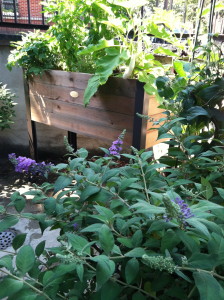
x=29, y=285
x=133, y=287
x=201, y=270
x=198, y=27
x=9, y=252
x=114, y=194
x=143, y=178
x=191, y=292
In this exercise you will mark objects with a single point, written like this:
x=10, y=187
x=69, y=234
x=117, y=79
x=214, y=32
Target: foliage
x=6, y=107
x=196, y=94
x=35, y=53
x=147, y=230
x=100, y=37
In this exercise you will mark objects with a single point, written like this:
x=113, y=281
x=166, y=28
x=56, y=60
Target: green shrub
x=6, y=107
x=126, y=232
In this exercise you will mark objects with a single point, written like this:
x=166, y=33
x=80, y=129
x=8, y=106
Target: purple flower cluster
x=116, y=148
x=185, y=210
x=28, y=165
x=177, y=209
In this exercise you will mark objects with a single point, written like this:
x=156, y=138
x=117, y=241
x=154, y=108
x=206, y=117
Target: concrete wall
x=15, y=139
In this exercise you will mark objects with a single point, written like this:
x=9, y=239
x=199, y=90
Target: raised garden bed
x=56, y=99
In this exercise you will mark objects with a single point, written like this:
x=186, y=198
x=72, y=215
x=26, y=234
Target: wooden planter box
x=112, y=109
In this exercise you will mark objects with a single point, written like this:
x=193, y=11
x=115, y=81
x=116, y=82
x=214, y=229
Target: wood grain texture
x=120, y=104
x=110, y=110
x=45, y=107
x=115, y=85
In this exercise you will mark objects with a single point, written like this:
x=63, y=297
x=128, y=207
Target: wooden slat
x=151, y=139
x=116, y=86
x=102, y=101
x=44, y=106
x=80, y=126
x=155, y=118
x=153, y=106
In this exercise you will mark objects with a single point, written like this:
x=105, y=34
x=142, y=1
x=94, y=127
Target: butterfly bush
x=24, y=164
x=116, y=147
x=177, y=209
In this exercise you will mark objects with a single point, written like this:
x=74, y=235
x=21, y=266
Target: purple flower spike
x=75, y=226
x=27, y=165
x=185, y=210
x=116, y=148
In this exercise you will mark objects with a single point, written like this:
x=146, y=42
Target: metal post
x=43, y=21
x=72, y=139
x=31, y=126
x=28, y=11
x=14, y=10
x=137, y=137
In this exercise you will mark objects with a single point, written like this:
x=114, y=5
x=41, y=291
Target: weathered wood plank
x=117, y=86
x=155, y=118
x=80, y=126
x=44, y=106
x=153, y=106
x=101, y=101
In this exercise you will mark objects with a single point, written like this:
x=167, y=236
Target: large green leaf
x=105, y=67
x=25, y=259
x=188, y=240
x=101, y=45
x=162, y=50
x=78, y=243
x=40, y=248
x=137, y=252
x=106, y=212
x=62, y=182
x=9, y=286
x=110, y=291
x=131, y=270
x=195, y=112
x=88, y=192
x=18, y=241
x=208, y=286
x=106, y=239
x=6, y=262
x=216, y=246
x=24, y=294
x=8, y=222
x=203, y=261
x=104, y=270
x=169, y=240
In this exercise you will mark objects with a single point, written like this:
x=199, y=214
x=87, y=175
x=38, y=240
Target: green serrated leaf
x=40, y=248
x=23, y=264
x=19, y=240
x=106, y=239
x=9, y=287
x=137, y=252
x=131, y=270
x=8, y=222
x=62, y=182
x=104, y=271
x=208, y=286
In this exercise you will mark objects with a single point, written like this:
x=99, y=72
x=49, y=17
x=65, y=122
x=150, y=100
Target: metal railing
x=22, y=14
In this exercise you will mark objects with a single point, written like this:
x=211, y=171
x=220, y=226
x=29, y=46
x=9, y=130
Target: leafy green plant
x=101, y=37
x=196, y=94
x=7, y=104
x=125, y=232
x=35, y=53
